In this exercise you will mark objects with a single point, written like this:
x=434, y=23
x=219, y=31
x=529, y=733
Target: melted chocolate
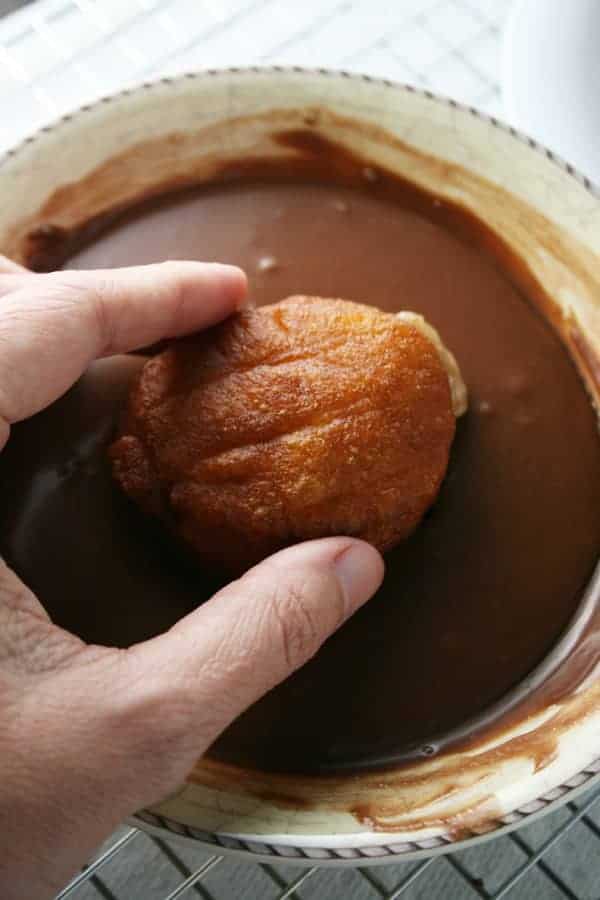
x=470, y=604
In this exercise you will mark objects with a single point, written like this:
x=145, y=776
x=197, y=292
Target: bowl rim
x=137, y=87
x=317, y=850
x=255, y=847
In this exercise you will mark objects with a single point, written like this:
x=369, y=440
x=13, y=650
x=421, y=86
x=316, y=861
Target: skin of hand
x=89, y=734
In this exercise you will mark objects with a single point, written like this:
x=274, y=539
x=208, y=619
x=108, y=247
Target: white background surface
x=57, y=54
x=552, y=77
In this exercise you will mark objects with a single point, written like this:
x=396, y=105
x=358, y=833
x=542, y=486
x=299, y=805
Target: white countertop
x=58, y=54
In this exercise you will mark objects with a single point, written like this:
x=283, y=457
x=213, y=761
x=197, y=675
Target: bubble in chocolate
x=267, y=264
x=516, y=384
x=428, y=750
x=341, y=206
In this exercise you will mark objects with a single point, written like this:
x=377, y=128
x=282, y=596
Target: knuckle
x=298, y=605
x=61, y=291
x=98, y=297
x=95, y=295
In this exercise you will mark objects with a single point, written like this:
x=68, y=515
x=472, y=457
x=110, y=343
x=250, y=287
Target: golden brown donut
x=306, y=418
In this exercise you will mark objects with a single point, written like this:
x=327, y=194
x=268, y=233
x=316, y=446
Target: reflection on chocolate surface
x=479, y=594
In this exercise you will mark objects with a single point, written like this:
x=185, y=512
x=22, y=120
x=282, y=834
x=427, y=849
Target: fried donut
x=305, y=418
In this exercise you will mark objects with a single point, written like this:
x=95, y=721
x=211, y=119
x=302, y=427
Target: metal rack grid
x=58, y=54
x=555, y=857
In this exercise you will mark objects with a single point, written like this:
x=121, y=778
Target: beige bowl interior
x=181, y=131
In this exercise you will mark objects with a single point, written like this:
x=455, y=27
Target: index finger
x=54, y=326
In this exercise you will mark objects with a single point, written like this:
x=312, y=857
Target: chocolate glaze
x=470, y=604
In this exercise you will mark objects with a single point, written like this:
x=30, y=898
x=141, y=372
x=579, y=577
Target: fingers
x=258, y=630
x=137, y=306
x=54, y=327
x=9, y=266
x=12, y=276
x=10, y=282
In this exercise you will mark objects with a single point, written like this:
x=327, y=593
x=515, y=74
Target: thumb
x=259, y=629
x=93, y=733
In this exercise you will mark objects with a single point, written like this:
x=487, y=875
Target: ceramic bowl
x=179, y=131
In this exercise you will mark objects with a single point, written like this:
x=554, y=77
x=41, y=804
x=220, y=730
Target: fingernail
x=360, y=570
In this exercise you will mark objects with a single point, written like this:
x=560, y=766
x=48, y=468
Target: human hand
x=77, y=720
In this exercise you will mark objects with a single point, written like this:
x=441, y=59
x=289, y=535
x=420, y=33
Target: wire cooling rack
x=58, y=54
x=555, y=857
